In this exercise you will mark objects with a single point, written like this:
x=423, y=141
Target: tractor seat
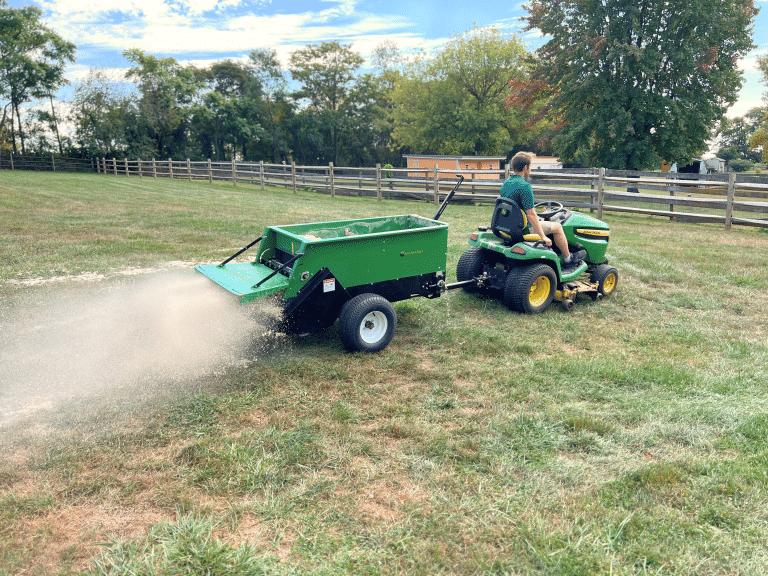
x=510, y=223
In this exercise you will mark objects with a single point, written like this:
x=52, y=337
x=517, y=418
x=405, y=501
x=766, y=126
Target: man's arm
x=533, y=220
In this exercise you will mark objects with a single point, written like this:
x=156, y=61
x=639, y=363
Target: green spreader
x=381, y=253
x=349, y=269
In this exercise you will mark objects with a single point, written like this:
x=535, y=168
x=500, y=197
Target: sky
x=203, y=31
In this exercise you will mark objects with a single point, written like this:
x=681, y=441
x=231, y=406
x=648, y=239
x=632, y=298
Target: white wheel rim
x=373, y=327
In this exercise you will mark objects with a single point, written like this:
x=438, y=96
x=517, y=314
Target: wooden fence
x=727, y=199
x=47, y=163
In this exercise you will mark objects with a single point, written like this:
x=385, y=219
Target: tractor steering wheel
x=550, y=208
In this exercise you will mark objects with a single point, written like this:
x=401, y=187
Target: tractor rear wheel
x=530, y=289
x=470, y=266
x=606, y=277
x=367, y=323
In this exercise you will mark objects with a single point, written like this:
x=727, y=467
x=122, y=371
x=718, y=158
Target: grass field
x=628, y=436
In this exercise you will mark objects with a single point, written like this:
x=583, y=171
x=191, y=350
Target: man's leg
x=555, y=230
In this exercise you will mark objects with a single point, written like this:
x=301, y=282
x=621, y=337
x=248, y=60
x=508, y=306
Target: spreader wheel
x=367, y=323
x=530, y=289
x=470, y=266
x=606, y=277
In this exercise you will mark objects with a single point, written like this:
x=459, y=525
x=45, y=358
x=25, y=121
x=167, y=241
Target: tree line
x=615, y=85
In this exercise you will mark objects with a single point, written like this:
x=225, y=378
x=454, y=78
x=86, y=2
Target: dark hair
x=520, y=161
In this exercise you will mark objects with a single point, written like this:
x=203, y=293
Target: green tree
x=326, y=73
x=388, y=62
x=275, y=108
x=733, y=135
x=454, y=103
x=759, y=140
x=226, y=118
x=634, y=82
x=103, y=114
x=367, y=135
x=167, y=92
x=32, y=61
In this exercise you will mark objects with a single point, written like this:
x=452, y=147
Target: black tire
x=607, y=278
x=530, y=289
x=367, y=323
x=470, y=266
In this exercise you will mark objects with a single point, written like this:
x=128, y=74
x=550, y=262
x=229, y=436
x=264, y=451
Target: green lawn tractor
x=507, y=261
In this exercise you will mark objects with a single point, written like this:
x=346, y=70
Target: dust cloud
x=98, y=355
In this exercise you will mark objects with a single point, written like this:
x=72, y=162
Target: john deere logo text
x=404, y=253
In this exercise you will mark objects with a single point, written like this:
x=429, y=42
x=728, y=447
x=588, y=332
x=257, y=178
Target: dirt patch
x=384, y=500
x=87, y=277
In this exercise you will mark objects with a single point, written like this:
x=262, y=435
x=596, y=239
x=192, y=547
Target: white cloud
x=178, y=27
x=741, y=107
x=96, y=10
x=749, y=62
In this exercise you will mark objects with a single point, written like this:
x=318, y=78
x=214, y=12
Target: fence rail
x=727, y=199
x=719, y=198
x=49, y=163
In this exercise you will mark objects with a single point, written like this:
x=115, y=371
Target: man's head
x=520, y=161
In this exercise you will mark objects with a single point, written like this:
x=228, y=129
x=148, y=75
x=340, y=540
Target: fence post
x=11, y=161
x=293, y=176
x=729, y=200
x=437, y=187
x=261, y=174
x=600, y=193
x=189, y=170
x=141, y=173
x=210, y=172
x=378, y=182
x=170, y=167
x=53, y=163
x=672, y=194
x=114, y=165
x=330, y=175
x=127, y=172
x=154, y=168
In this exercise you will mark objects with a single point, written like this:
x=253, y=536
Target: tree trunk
x=21, y=131
x=5, y=115
x=56, y=127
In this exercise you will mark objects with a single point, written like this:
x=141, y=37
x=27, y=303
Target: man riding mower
x=529, y=272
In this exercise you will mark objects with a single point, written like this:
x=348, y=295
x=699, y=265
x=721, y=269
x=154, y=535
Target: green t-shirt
x=518, y=189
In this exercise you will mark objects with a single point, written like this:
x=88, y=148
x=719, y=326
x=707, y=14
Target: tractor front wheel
x=530, y=289
x=606, y=277
x=367, y=323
